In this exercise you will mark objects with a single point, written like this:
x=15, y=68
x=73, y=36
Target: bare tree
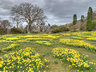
x=5, y=24
x=17, y=20
x=28, y=13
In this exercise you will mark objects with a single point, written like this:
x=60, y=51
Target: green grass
x=46, y=52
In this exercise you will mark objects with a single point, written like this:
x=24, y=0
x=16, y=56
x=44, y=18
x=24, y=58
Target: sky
x=58, y=12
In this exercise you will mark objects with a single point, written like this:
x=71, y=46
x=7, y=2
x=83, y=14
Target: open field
x=61, y=52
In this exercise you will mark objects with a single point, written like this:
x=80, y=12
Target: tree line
x=35, y=19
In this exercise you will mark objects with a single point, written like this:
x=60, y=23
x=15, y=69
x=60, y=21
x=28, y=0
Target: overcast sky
x=58, y=11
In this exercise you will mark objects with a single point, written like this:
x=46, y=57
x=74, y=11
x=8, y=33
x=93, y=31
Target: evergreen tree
x=89, y=19
x=74, y=19
x=82, y=18
x=82, y=21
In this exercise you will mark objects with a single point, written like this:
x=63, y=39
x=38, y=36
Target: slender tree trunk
x=17, y=25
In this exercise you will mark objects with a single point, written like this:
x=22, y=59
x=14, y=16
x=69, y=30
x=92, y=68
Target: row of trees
x=35, y=18
x=75, y=19
x=8, y=27
x=89, y=19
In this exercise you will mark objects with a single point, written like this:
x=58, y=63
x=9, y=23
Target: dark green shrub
x=16, y=30
x=81, y=28
x=55, y=30
x=61, y=28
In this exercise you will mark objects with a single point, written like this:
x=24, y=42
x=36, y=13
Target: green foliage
x=89, y=19
x=55, y=62
x=74, y=19
x=61, y=28
x=89, y=26
x=16, y=31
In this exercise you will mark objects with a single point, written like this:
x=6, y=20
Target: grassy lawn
x=45, y=49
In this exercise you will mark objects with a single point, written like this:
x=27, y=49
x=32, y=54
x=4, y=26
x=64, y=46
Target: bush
x=53, y=26
x=16, y=30
x=34, y=32
x=61, y=28
x=2, y=31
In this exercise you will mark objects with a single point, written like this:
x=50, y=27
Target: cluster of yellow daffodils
x=10, y=47
x=4, y=41
x=78, y=43
x=82, y=34
x=35, y=39
x=39, y=36
x=24, y=60
x=29, y=38
x=12, y=38
x=52, y=37
x=73, y=57
x=22, y=41
x=44, y=42
x=66, y=34
x=91, y=38
x=77, y=37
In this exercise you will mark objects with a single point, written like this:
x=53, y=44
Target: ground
x=45, y=48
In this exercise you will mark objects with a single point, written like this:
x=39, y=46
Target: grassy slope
x=45, y=52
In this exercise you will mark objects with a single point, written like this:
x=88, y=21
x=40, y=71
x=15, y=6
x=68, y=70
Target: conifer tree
x=74, y=19
x=82, y=18
x=89, y=19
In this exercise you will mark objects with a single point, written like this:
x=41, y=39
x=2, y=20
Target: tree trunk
x=29, y=29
